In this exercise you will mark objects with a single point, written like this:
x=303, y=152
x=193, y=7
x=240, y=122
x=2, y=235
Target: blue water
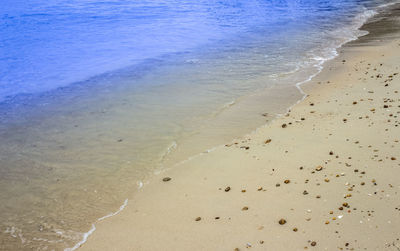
x=96, y=96
x=49, y=44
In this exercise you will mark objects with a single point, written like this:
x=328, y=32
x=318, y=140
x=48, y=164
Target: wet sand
x=325, y=176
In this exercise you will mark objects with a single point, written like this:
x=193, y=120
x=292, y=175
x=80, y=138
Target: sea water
x=97, y=96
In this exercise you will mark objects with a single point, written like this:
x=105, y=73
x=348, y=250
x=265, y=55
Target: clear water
x=96, y=96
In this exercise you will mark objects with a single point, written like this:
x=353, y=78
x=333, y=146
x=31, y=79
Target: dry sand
x=330, y=169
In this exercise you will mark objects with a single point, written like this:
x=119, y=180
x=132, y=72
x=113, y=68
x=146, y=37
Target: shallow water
x=98, y=95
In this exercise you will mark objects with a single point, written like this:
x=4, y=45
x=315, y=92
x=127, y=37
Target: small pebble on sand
x=227, y=189
x=166, y=179
x=198, y=219
x=282, y=222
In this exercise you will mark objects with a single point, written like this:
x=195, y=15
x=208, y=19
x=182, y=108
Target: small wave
x=352, y=32
x=169, y=149
x=91, y=231
x=229, y=104
x=84, y=239
x=116, y=212
x=285, y=74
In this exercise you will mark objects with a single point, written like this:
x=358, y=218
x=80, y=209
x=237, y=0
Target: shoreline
x=155, y=183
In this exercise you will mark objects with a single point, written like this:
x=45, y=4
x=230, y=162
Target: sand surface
x=325, y=176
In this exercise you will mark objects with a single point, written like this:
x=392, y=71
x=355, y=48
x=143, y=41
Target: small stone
x=198, y=219
x=282, y=222
x=278, y=185
x=305, y=192
x=166, y=179
x=295, y=229
x=227, y=189
x=393, y=158
x=287, y=181
x=284, y=125
x=244, y=190
x=313, y=243
x=268, y=141
x=259, y=189
x=245, y=208
x=326, y=180
x=326, y=222
x=318, y=168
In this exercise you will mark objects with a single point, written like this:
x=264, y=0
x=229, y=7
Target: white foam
x=116, y=212
x=87, y=234
x=84, y=239
x=343, y=35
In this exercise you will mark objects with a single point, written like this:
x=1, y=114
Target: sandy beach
x=324, y=176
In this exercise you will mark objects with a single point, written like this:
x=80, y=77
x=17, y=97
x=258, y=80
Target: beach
x=323, y=176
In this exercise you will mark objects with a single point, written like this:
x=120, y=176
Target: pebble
x=318, y=168
x=287, y=181
x=245, y=208
x=198, y=219
x=166, y=179
x=313, y=243
x=227, y=189
x=284, y=125
x=268, y=141
x=282, y=222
